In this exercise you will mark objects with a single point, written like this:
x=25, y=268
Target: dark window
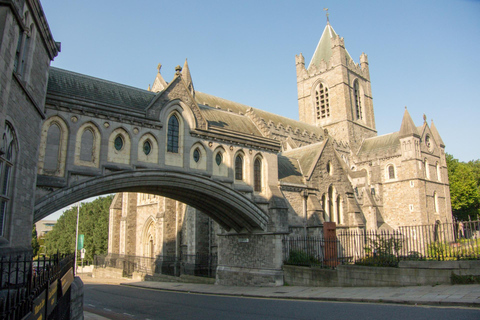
x=118, y=143
x=52, y=149
x=391, y=172
x=218, y=158
x=257, y=175
x=173, y=134
x=196, y=155
x=147, y=147
x=239, y=168
x=86, y=147
x=358, y=101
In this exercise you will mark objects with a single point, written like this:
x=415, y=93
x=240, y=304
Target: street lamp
x=76, y=238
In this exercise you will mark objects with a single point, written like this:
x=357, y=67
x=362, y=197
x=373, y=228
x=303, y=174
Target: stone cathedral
x=331, y=166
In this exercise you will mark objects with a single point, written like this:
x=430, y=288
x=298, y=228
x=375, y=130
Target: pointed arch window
x=358, y=100
x=87, y=144
x=391, y=172
x=173, y=134
x=52, y=152
x=257, y=175
x=435, y=202
x=322, y=101
x=239, y=167
x=7, y=161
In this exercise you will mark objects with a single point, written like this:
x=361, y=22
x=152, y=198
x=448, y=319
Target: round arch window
x=118, y=143
x=147, y=147
x=196, y=155
x=218, y=158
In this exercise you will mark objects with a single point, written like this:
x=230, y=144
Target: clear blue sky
x=422, y=54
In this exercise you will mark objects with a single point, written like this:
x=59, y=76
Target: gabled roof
x=295, y=164
x=324, y=47
x=72, y=84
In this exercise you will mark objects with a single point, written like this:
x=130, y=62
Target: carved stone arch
x=220, y=165
x=177, y=92
x=52, y=151
x=390, y=171
x=183, y=111
x=148, y=242
x=148, y=148
x=198, y=156
x=93, y=149
x=119, y=146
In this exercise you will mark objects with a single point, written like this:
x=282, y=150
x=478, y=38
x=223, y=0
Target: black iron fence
x=202, y=265
x=448, y=241
x=37, y=289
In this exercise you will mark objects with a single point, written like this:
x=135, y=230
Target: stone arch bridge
x=101, y=137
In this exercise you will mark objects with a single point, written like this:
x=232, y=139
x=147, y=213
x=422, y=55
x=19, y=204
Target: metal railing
x=202, y=265
x=448, y=241
x=34, y=288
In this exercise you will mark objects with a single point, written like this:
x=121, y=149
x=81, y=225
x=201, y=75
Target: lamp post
x=76, y=239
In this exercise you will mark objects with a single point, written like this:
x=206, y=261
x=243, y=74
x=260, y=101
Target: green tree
x=93, y=224
x=464, y=188
x=35, y=243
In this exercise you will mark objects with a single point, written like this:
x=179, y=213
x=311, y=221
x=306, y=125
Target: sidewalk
x=441, y=295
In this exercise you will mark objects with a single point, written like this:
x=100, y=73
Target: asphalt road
x=121, y=302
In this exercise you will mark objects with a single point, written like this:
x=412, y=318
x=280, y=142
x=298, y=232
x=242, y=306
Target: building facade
x=331, y=166
x=26, y=50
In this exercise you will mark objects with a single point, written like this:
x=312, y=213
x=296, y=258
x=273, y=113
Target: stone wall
x=409, y=273
x=250, y=259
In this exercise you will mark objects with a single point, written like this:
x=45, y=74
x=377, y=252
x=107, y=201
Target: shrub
x=300, y=257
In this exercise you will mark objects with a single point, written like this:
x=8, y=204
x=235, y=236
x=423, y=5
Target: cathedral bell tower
x=335, y=93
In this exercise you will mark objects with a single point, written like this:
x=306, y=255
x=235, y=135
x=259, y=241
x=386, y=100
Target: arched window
x=52, y=149
x=173, y=134
x=329, y=168
x=322, y=103
x=358, y=100
x=427, y=171
x=7, y=161
x=87, y=144
x=257, y=175
x=439, y=172
x=239, y=167
x=435, y=202
x=391, y=172
x=196, y=155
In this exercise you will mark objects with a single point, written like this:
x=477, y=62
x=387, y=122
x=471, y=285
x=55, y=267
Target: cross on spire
x=327, y=14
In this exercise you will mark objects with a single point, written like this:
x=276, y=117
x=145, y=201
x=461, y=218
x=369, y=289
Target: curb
x=324, y=299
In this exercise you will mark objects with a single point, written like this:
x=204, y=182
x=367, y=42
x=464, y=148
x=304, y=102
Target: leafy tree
x=93, y=224
x=35, y=243
x=464, y=188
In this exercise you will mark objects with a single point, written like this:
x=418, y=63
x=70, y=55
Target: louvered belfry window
x=322, y=101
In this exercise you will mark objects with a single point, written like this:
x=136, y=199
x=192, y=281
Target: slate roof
x=219, y=113
x=72, y=84
x=387, y=142
x=296, y=163
x=324, y=47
